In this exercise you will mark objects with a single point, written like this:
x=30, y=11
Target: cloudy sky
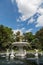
x=22, y=15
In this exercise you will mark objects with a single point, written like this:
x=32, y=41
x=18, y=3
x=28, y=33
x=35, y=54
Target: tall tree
x=6, y=36
x=17, y=36
x=35, y=44
x=28, y=36
x=39, y=35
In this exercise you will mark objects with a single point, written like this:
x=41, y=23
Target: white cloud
x=29, y=30
x=40, y=11
x=27, y=8
x=21, y=30
x=17, y=31
x=30, y=21
x=40, y=21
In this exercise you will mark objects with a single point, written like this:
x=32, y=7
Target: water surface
x=18, y=61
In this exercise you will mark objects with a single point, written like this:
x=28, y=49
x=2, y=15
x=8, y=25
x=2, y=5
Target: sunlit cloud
x=29, y=30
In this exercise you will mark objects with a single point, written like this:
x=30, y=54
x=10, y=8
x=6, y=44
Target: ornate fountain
x=21, y=52
x=20, y=44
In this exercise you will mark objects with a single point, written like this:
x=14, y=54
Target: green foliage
x=17, y=36
x=6, y=36
x=35, y=44
x=39, y=35
x=28, y=36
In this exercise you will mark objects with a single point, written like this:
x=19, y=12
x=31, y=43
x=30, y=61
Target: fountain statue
x=7, y=54
x=41, y=53
x=36, y=54
x=12, y=54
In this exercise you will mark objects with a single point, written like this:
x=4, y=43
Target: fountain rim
x=20, y=43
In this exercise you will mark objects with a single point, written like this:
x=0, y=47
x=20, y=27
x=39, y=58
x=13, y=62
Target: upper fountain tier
x=20, y=44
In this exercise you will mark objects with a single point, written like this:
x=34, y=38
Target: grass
x=31, y=51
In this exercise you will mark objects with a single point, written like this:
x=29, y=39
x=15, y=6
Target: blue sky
x=22, y=15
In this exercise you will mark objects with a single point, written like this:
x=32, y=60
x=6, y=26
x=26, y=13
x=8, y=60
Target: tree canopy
x=39, y=35
x=28, y=36
x=6, y=36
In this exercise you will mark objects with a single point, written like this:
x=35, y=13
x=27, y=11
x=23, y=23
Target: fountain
x=20, y=56
x=21, y=52
x=20, y=44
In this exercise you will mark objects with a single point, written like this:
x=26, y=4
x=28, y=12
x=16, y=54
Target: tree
x=17, y=36
x=6, y=36
x=39, y=35
x=28, y=36
x=35, y=44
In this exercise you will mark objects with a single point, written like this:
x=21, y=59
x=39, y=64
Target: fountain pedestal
x=21, y=52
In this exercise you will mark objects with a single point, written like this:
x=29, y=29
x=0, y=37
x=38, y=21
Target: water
x=18, y=61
